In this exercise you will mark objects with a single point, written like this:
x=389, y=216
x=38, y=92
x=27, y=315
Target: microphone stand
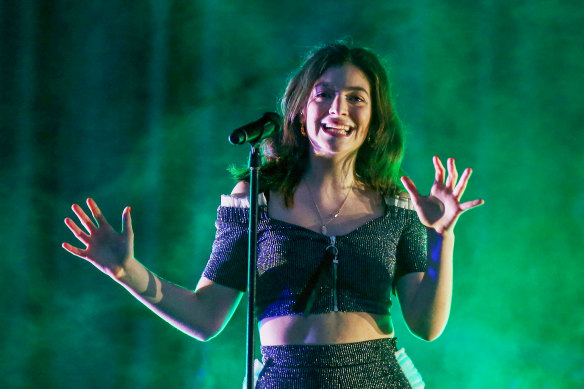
x=254, y=164
x=253, y=133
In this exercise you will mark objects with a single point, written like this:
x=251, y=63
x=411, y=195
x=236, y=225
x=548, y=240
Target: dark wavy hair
x=378, y=160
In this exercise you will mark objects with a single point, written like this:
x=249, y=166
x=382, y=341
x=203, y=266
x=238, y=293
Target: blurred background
x=131, y=103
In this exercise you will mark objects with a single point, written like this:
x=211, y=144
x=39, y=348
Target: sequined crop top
x=296, y=266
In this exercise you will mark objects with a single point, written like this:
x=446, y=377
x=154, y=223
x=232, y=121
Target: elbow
x=206, y=333
x=202, y=335
x=428, y=336
x=203, y=332
x=427, y=331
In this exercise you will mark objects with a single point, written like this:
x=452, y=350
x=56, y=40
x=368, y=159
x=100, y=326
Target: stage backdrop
x=132, y=102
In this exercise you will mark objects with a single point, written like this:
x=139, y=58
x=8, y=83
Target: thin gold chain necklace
x=323, y=225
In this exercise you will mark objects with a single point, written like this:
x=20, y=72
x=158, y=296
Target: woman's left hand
x=442, y=207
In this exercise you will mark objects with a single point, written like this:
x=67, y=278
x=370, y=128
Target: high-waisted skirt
x=370, y=364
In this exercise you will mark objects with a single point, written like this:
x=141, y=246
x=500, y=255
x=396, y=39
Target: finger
x=458, y=191
x=74, y=250
x=79, y=234
x=127, y=222
x=96, y=212
x=471, y=204
x=83, y=218
x=452, y=173
x=411, y=188
x=440, y=171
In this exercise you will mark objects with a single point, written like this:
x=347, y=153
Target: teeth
x=338, y=128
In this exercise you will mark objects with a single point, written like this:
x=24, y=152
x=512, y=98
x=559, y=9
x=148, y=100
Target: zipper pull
x=334, y=251
x=332, y=247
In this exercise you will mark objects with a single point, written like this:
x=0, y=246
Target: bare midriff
x=326, y=328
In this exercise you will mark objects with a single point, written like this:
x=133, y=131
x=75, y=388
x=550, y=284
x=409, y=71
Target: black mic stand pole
x=252, y=256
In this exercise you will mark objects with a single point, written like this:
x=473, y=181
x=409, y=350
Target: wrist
x=127, y=271
x=444, y=234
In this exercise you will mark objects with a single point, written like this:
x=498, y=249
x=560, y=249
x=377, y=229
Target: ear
x=300, y=117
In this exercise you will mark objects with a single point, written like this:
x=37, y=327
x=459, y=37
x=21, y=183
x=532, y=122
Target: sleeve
x=227, y=264
x=412, y=248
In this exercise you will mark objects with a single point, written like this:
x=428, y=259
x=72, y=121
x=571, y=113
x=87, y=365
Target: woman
x=336, y=237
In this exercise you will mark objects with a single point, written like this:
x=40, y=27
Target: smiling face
x=338, y=111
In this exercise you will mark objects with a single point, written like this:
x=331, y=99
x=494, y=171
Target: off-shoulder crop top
x=359, y=278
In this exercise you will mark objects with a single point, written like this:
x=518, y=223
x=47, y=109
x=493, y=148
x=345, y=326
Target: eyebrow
x=351, y=88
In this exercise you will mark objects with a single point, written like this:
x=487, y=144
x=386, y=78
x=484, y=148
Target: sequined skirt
x=371, y=364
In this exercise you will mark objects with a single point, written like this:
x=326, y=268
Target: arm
x=425, y=297
x=201, y=314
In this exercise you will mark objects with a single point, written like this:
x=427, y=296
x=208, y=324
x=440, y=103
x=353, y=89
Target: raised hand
x=442, y=207
x=105, y=248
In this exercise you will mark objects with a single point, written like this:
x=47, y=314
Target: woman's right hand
x=106, y=249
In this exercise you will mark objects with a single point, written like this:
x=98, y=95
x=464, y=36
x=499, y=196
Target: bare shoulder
x=400, y=194
x=241, y=189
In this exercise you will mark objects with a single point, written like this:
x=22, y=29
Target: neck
x=324, y=174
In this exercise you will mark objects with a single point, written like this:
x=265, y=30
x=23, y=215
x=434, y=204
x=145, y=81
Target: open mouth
x=336, y=129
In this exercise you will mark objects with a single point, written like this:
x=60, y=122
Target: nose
x=338, y=106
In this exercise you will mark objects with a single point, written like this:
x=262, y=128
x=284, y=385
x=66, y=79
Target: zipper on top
x=334, y=251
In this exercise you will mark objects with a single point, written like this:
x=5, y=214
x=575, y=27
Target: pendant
x=323, y=230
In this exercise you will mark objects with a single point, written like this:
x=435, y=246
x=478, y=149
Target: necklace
x=323, y=225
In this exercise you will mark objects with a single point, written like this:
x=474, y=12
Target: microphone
x=255, y=131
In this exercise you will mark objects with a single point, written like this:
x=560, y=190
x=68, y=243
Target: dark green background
x=131, y=102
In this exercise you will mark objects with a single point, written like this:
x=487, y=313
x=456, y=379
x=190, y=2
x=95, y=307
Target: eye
x=356, y=99
x=323, y=94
